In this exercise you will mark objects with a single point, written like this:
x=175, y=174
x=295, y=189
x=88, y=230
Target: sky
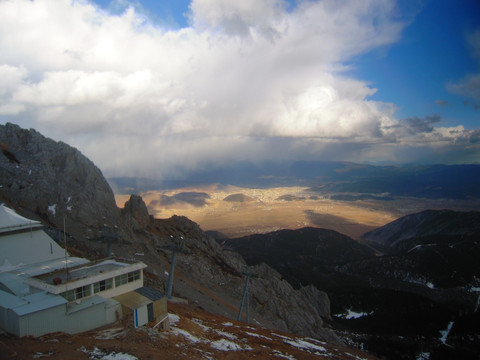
x=161, y=88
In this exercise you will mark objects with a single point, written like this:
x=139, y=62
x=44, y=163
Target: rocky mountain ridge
x=52, y=181
x=429, y=222
x=430, y=280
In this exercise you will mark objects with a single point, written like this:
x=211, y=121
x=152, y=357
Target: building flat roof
x=150, y=293
x=132, y=300
x=39, y=301
x=61, y=280
x=87, y=270
x=30, y=303
x=86, y=303
x=14, y=279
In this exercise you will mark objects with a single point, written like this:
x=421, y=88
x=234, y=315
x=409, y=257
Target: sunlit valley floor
x=236, y=211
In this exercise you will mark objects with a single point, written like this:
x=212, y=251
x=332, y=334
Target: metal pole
x=65, y=247
x=244, y=296
x=248, y=304
x=170, y=276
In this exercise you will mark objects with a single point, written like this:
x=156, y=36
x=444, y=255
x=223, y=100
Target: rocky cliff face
x=54, y=180
x=51, y=180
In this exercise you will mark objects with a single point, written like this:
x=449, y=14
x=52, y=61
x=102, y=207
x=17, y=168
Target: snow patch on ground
x=355, y=357
x=423, y=356
x=187, y=335
x=353, y=314
x=97, y=354
x=173, y=318
x=445, y=333
x=39, y=355
x=258, y=335
x=199, y=323
x=109, y=334
x=227, y=345
x=281, y=336
x=225, y=334
x=279, y=354
x=305, y=345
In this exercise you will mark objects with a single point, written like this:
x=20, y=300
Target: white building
x=44, y=290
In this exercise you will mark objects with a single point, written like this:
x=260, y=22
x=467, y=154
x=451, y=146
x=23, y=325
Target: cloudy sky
x=157, y=88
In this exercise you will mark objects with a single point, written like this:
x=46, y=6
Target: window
x=69, y=295
x=77, y=293
x=126, y=278
x=134, y=276
x=82, y=291
x=102, y=285
x=121, y=280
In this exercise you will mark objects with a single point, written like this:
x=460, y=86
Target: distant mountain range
x=427, y=277
x=357, y=180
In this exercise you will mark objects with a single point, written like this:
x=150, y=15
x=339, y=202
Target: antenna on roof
x=65, y=246
x=245, y=294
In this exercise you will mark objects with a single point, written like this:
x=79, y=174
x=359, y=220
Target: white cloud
x=247, y=80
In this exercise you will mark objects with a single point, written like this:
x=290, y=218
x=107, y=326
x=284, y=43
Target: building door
x=151, y=317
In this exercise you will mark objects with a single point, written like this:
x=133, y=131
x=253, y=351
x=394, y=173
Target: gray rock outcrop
x=54, y=180
x=135, y=214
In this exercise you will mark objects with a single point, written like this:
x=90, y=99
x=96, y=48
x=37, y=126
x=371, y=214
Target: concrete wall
x=93, y=317
x=41, y=322
x=57, y=319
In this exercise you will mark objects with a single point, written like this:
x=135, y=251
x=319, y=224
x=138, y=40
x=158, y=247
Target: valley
x=235, y=211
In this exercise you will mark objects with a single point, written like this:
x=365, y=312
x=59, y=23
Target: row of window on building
x=103, y=285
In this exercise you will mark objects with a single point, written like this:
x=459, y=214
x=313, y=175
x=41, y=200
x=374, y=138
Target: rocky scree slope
x=51, y=180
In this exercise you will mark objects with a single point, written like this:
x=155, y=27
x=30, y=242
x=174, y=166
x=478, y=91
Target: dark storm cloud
x=423, y=125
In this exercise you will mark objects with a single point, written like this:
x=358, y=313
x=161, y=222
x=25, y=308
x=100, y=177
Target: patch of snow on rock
x=52, y=208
